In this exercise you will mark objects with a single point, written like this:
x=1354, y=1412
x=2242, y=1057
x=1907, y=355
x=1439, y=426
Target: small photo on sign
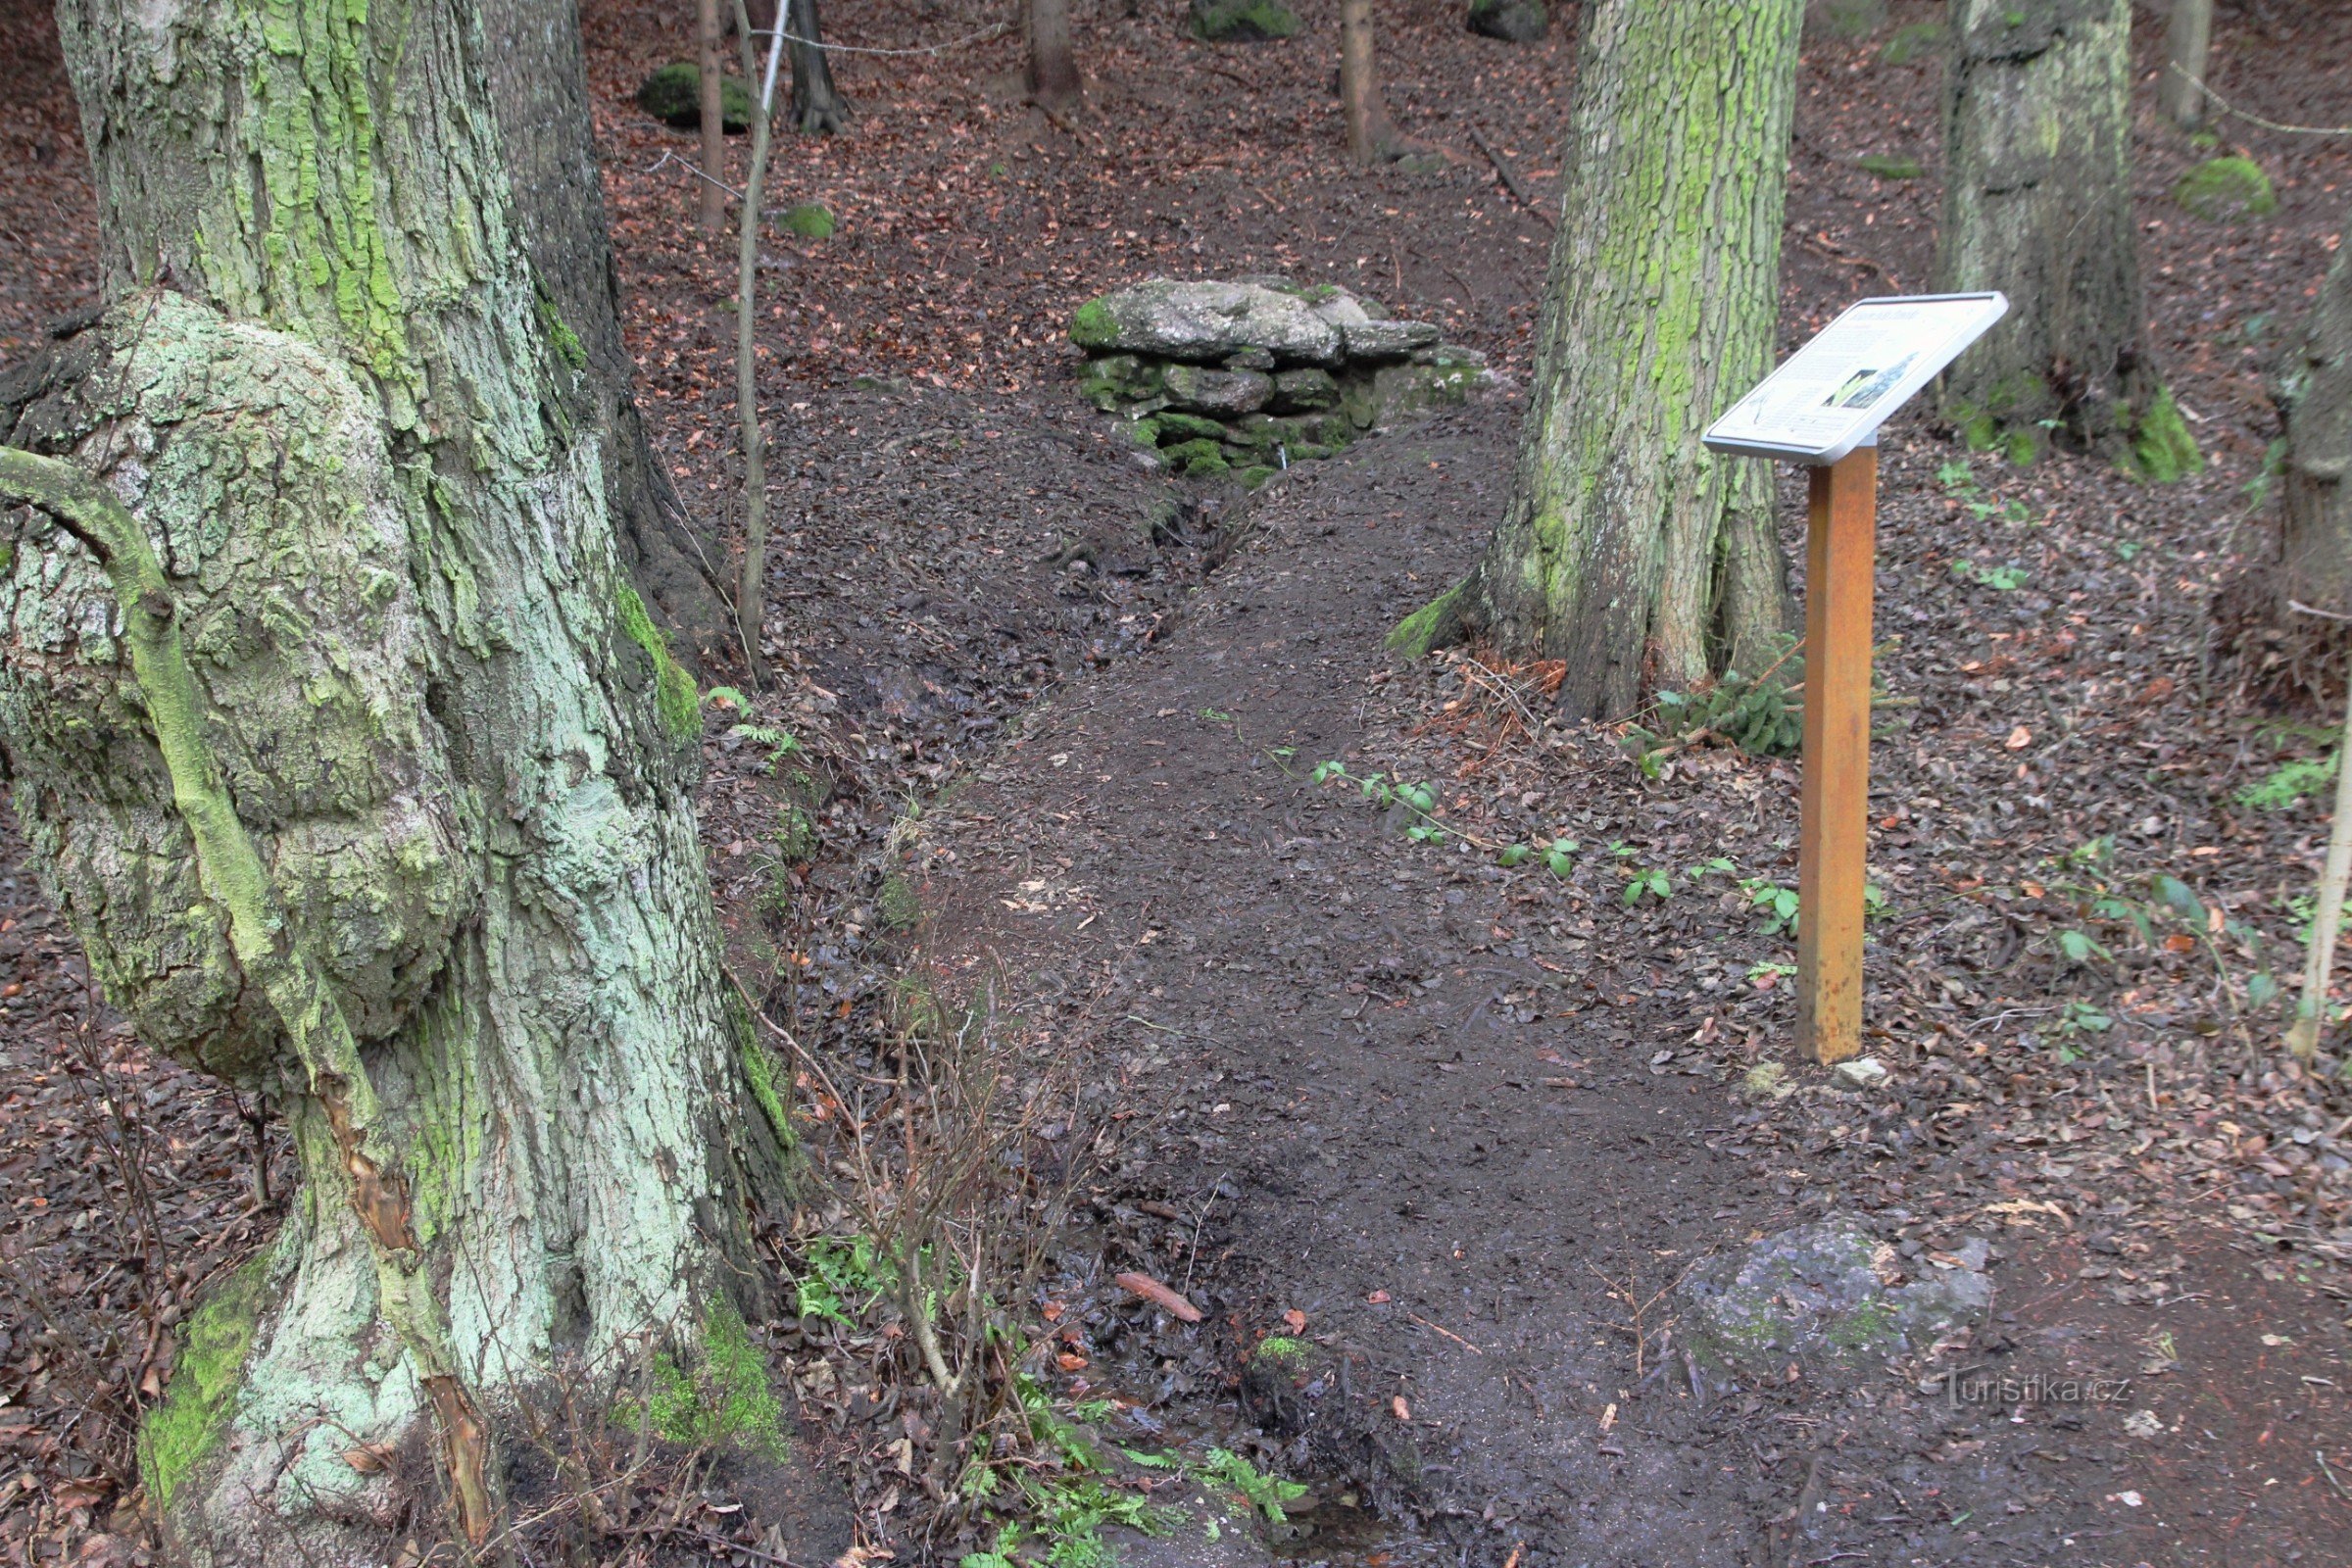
x=1865, y=387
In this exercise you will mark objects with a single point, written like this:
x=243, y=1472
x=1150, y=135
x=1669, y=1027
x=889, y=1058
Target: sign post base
x=1835, y=806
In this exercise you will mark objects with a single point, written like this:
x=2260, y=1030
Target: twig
x=1849, y=258
x=1806, y=1501
x=692, y=168
x=2228, y=108
x=2331, y=1475
x=982, y=36
x=1510, y=180
x=1437, y=1328
x=2314, y=610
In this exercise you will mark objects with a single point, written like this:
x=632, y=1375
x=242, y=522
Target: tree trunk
x=1625, y=547
x=2188, y=40
x=2315, y=564
x=1370, y=137
x=817, y=108
x=1053, y=79
x=358, y=768
x=539, y=83
x=712, y=110
x=2037, y=204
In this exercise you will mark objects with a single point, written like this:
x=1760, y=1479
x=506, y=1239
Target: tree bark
x=539, y=83
x=360, y=771
x=1370, y=137
x=2315, y=491
x=1625, y=547
x=2037, y=204
x=2188, y=40
x=817, y=108
x=709, y=86
x=1053, y=79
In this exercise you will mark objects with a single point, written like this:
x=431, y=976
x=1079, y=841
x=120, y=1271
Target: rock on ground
x=1826, y=1294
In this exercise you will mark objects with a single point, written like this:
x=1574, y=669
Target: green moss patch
x=180, y=1431
x=1888, y=165
x=2162, y=448
x=1092, y=327
x=1243, y=20
x=2226, y=190
x=674, y=694
x=725, y=1399
x=809, y=219
x=1427, y=627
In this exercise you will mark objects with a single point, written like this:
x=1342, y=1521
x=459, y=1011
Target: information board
x=1833, y=393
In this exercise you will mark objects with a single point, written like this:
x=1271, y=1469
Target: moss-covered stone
x=1243, y=20
x=1511, y=21
x=809, y=219
x=1176, y=428
x=179, y=1432
x=1890, y=166
x=1197, y=459
x=1092, y=326
x=673, y=95
x=2227, y=190
x=1257, y=475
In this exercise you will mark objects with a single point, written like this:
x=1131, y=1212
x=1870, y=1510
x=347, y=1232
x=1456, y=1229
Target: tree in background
x=2188, y=40
x=347, y=749
x=1053, y=79
x=539, y=83
x=1625, y=547
x=2316, y=515
x=2037, y=204
x=711, y=37
x=817, y=107
x=1370, y=137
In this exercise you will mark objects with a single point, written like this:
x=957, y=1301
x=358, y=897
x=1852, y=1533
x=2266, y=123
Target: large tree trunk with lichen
x=2037, y=204
x=539, y=83
x=352, y=757
x=1625, y=547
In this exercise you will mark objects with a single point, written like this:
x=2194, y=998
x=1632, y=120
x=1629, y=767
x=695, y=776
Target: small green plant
x=1651, y=880
x=2289, y=784
x=1767, y=974
x=1758, y=716
x=778, y=743
x=1264, y=1493
x=843, y=1280
x=1775, y=904
x=2001, y=580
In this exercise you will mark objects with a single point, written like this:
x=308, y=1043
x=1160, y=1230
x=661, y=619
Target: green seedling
x=1264, y=1493
x=778, y=743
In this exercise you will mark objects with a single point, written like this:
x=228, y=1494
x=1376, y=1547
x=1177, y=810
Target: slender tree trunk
x=2315, y=494
x=355, y=761
x=1053, y=79
x=817, y=108
x=1370, y=137
x=2037, y=204
x=1625, y=547
x=2188, y=40
x=539, y=83
x=751, y=587
x=713, y=117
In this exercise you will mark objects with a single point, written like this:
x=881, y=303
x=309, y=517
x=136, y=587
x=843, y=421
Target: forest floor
x=1463, y=1125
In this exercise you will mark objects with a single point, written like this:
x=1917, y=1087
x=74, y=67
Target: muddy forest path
x=1356, y=1087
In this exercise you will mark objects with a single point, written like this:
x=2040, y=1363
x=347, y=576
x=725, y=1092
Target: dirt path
x=1431, y=1109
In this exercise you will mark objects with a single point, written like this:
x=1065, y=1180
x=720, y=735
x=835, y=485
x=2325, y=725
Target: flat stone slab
x=1205, y=323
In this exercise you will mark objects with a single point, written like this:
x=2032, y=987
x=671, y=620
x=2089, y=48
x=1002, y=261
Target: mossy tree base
x=349, y=753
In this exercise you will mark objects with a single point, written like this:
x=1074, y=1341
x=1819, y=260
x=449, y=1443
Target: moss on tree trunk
x=1625, y=547
x=2037, y=204
x=344, y=746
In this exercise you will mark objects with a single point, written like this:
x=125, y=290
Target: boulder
x=1174, y=427
x=1305, y=391
x=1827, y=1294
x=1511, y=21
x=1386, y=340
x=1243, y=20
x=1251, y=358
x=673, y=95
x=1222, y=394
x=1205, y=323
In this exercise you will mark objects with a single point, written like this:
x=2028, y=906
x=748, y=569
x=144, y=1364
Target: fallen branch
x=1510, y=180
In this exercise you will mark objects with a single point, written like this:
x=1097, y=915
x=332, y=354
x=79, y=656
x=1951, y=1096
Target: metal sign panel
x=1833, y=393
